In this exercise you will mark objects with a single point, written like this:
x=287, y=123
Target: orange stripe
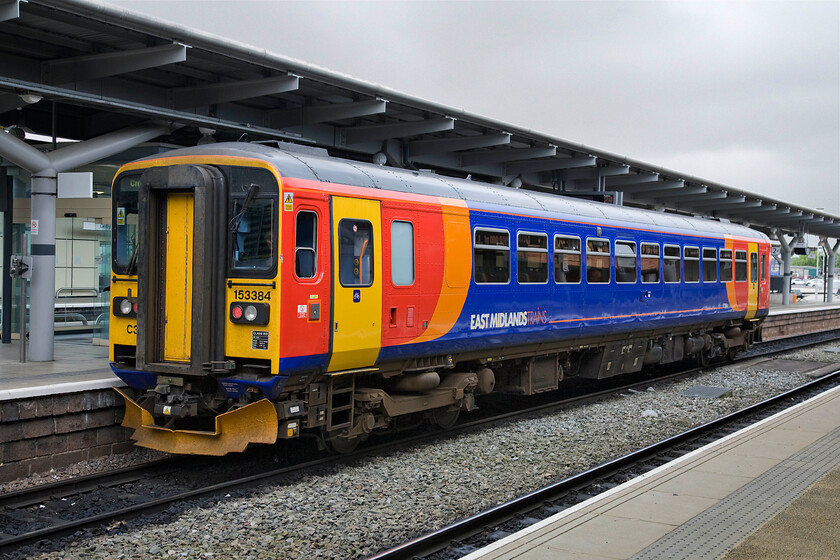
x=457, y=270
x=639, y=315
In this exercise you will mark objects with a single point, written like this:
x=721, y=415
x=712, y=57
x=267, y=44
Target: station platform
x=79, y=365
x=713, y=503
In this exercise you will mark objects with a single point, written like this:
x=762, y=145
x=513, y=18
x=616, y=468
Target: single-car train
x=259, y=293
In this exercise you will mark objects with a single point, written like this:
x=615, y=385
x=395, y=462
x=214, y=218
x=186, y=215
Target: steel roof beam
x=9, y=9
x=793, y=217
x=657, y=187
x=81, y=68
x=326, y=113
x=596, y=173
x=630, y=181
x=379, y=132
x=730, y=200
x=442, y=145
x=675, y=197
x=757, y=210
x=550, y=165
x=504, y=156
x=211, y=94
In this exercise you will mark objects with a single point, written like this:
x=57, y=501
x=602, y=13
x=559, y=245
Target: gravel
x=362, y=507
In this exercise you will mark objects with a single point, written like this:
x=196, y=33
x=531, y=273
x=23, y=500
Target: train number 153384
x=252, y=295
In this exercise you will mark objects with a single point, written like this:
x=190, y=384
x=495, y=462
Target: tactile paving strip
x=712, y=533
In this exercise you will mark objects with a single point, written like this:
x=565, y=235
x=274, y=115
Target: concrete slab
x=669, y=508
x=607, y=536
x=703, y=484
x=736, y=465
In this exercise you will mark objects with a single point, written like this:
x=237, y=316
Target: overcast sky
x=741, y=93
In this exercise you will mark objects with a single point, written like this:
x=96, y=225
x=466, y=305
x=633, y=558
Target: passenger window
x=650, y=263
x=672, y=263
x=306, y=245
x=753, y=267
x=566, y=260
x=691, y=264
x=740, y=266
x=402, y=253
x=598, y=261
x=726, y=265
x=491, y=252
x=625, y=262
x=764, y=268
x=355, y=253
x=709, y=264
x=532, y=258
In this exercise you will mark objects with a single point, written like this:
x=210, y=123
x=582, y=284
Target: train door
x=357, y=283
x=764, y=276
x=177, y=253
x=180, y=255
x=753, y=286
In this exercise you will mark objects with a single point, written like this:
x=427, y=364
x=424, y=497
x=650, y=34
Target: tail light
x=249, y=313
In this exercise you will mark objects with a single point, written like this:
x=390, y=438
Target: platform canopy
x=79, y=69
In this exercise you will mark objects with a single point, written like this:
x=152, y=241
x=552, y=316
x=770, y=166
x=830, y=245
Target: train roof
x=303, y=162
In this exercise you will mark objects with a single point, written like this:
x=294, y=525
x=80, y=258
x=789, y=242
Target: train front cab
x=178, y=321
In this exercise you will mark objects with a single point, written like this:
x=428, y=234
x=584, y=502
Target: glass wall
x=82, y=257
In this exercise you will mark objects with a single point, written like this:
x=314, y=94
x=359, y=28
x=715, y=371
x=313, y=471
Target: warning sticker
x=259, y=340
x=288, y=202
x=301, y=312
x=120, y=216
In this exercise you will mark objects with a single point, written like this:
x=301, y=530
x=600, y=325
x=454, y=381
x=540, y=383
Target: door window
x=355, y=253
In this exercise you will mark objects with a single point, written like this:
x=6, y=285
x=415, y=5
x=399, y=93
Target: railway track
x=52, y=511
x=483, y=529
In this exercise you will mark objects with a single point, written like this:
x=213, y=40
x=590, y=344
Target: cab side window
x=306, y=244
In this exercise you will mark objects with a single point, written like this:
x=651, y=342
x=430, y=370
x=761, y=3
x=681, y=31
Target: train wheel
x=731, y=354
x=446, y=416
x=338, y=444
x=703, y=359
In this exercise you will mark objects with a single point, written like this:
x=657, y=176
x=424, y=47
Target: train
x=262, y=292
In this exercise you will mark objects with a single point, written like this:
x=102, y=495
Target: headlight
x=125, y=307
x=250, y=313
